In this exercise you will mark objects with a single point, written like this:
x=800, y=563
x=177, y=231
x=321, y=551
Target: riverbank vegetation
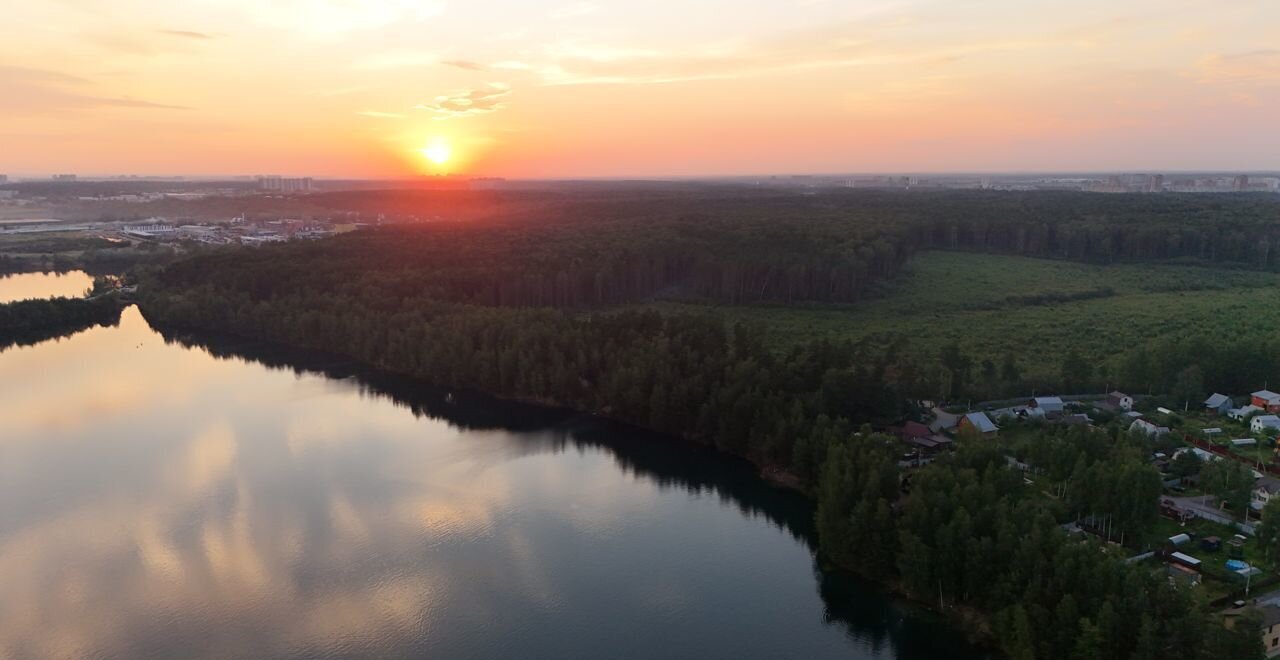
x=65, y=251
x=560, y=309
x=28, y=322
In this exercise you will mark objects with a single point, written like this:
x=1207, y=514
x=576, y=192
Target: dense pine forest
x=525, y=307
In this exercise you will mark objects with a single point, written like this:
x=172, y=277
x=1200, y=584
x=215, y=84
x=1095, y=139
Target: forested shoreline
x=520, y=312
x=29, y=322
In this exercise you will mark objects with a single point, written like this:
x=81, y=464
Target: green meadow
x=1034, y=309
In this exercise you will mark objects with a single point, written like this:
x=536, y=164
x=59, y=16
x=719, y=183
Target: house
x=922, y=437
x=1148, y=428
x=1048, y=407
x=1242, y=413
x=1262, y=423
x=1269, y=619
x=1266, y=399
x=1218, y=404
x=914, y=430
x=979, y=422
x=1120, y=400
x=1263, y=490
x=1271, y=629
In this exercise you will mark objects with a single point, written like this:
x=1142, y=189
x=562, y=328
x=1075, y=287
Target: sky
x=615, y=88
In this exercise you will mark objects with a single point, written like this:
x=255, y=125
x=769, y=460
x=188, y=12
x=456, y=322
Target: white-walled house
x=1264, y=423
x=1120, y=400
x=1263, y=490
x=1148, y=428
x=1242, y=413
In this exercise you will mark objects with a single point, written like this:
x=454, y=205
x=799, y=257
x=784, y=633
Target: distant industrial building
x=149, y=231
x=285, y=184
x=64, y=177
x=1240, y=183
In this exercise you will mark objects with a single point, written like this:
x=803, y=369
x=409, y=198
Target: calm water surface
x=158, y=501
x=26, y=286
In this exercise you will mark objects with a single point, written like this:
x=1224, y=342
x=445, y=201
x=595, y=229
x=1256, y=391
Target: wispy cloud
x=879, y=41
x=188, y=34
x=466, y=103
x=1254, y=67
x=42, y=91
x=465, y=64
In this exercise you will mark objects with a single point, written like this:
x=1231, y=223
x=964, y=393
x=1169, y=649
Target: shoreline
x=974, y=625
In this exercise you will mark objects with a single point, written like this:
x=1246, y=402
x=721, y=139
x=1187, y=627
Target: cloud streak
x=467, y=103
x=187, y=34
x=38, y=91
x=467, y=65
x=1259, y=66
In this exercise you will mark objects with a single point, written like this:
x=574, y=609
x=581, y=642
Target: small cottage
x=1266, y=399
x=980, y=423
x=1120, y=400
x=1264, y=423
x=1218, y=404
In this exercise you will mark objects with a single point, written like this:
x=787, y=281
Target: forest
x=542, y=307
x=29, y=322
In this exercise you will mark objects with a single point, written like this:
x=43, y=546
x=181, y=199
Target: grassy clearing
x=1035, y=309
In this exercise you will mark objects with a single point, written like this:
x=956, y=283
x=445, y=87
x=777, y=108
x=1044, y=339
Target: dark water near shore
x=163, y=500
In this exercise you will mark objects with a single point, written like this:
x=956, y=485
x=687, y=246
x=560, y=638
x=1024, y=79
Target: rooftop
x=981, y=422
x=1217, y=400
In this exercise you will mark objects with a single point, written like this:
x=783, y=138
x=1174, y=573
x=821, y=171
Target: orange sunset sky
x=626, y=88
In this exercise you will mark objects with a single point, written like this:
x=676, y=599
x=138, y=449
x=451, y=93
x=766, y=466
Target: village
x=1204, y=540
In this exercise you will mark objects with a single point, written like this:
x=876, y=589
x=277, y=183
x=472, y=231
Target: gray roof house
x=1243, y=411
x=1218, y=403
x=979, y=422
x=1049, y=406
x=1148, y=428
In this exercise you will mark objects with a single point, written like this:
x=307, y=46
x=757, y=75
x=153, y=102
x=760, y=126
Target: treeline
x=686, y=375
x=576, y=251
x=970, y=535
x=1234, y=229
x=31, y=321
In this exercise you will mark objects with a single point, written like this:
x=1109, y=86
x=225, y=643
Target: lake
x=215, y=500
x=25, y=286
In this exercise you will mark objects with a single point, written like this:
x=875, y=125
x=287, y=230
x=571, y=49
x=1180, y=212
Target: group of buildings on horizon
x=1187, y=182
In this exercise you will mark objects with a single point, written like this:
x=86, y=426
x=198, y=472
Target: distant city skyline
x=394, y=88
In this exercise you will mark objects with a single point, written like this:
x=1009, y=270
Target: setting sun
x=437, y=152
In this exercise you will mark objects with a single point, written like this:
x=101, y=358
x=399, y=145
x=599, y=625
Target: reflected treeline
x=867, y=613
x=30, y=322
x=668, y=462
